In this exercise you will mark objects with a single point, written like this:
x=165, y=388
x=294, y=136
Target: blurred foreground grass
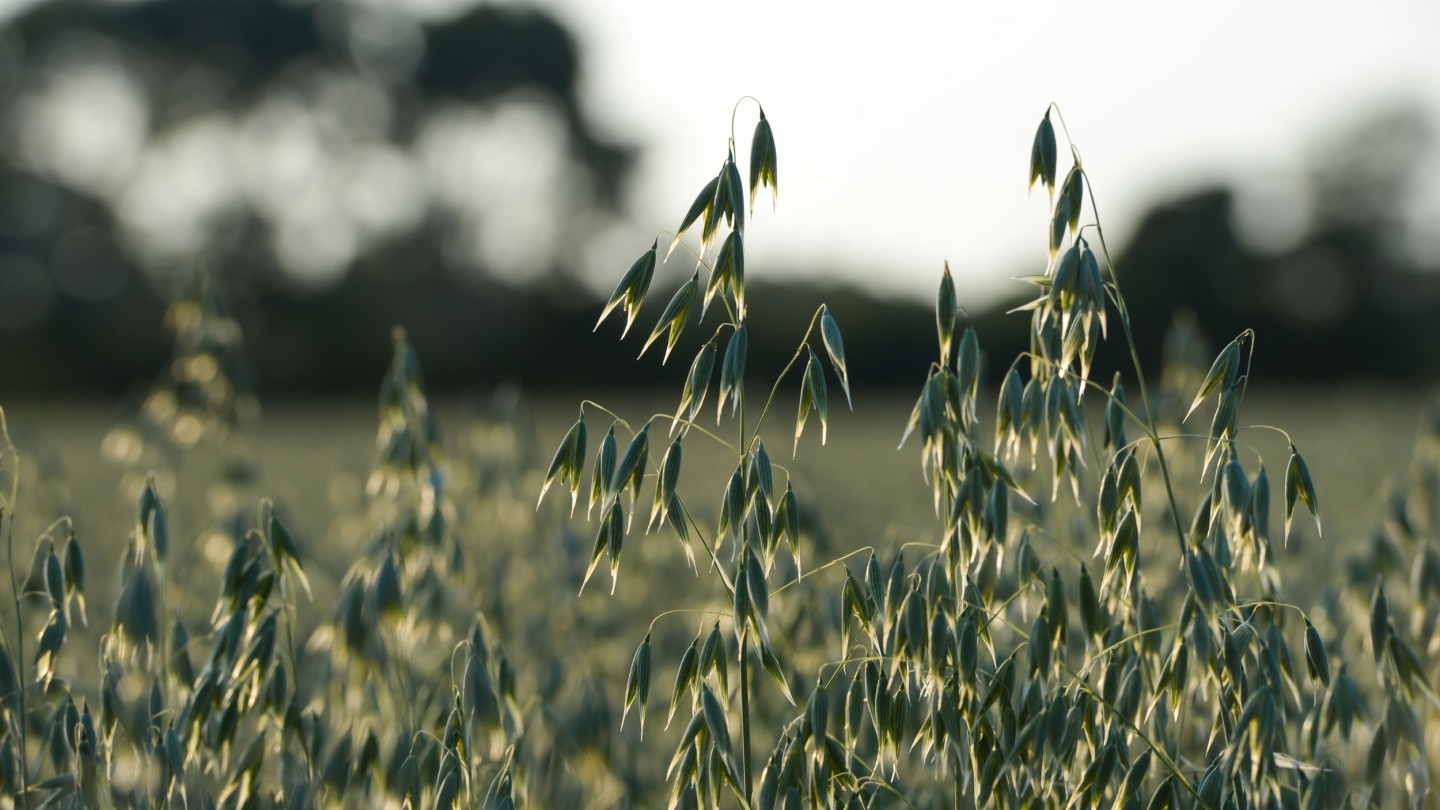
x=523, y=566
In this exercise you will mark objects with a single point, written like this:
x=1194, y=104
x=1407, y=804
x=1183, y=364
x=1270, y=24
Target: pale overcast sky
x=904, y=130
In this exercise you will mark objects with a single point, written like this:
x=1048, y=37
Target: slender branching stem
x=799, y=352
x=734, y=111
x=699, y=428
x=9, y=521
x=708, y=612
x=1159, y=750
x=812, y=572
x=1281, y=431
x=745, y=710
x=709, y=549
x=601, y=408
x=1149, y=424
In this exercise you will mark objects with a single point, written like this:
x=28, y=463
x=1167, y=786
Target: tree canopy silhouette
x=292, y=138
x=282, y=147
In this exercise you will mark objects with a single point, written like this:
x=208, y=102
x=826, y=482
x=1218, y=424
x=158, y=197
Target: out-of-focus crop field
x=565, y=650
x=566, y=653
x=312, y=457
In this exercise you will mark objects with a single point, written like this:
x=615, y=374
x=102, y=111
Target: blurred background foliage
x=334, y=168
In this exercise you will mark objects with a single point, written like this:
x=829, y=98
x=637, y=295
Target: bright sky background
x=903, y=132
x=904, y=129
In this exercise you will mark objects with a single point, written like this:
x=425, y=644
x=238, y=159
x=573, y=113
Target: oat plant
x=759, y=510
x=438, y=721
x=1044, y=654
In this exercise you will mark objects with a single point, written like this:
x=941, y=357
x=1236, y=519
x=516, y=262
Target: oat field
x=1075, y=590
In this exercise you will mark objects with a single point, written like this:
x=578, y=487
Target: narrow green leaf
x=602, y=544
x=732, y=505
x=758, y=588
x=762, y=476
x=1316, y=661
x=675, y=514
x=719, y=210
x=631, y=469
x=566, y=461
x=704, y=202
x=75, y=569
x=632, y=288
x=1115, y=416
x=673, y=318
x=136, y=612
x=916, y=416
x=1307, y=490
x=665, y=484
x=685, y=752
x=154, y=521
x=1058, y=222
x=1260, y=506
x=54, y=580
x=386, y=596
x=732, y=372
x=762, y=160
x=604, y=471
x=967, y=365
x=815, y=381
x=281, y=540
x=1299, y=487
x=835, y=347
x=806, y=403
x=697, y=385
x=788, y=520
x=945, y=307
x=734, y=194
x=729, y=262
x=637, y=683
x=1414, y=672
x=617, y=541
x=449, y=791
x=1009, y=410
x=713, y=658
x=1074, y=193
x=51, y=639
x=1042, y=155
x=1222, y=426
x=817, y=711
x=715, y=720
x=684, y=677
x=774, y=670
x=1224, y=370
x=1379, y=622
x=740, y=606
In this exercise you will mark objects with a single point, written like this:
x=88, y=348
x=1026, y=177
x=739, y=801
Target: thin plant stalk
x=19, y=638
x=745, y=714
x=9, y=449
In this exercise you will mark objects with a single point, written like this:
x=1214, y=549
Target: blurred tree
x=1347, y=298
x=281, y=144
